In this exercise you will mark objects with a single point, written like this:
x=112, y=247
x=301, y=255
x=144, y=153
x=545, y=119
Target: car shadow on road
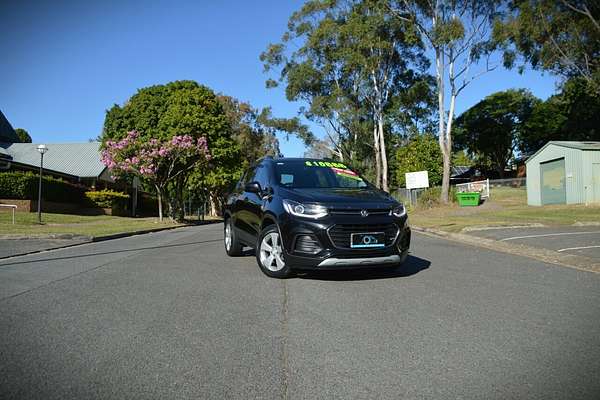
x=101, y=253
x=413, y=265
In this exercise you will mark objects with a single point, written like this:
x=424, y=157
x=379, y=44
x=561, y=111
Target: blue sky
x=66, y=62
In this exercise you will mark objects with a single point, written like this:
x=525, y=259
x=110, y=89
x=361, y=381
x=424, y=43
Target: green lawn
x=506, y=206
x=26, y=224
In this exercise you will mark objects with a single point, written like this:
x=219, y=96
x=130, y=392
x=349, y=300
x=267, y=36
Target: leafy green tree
x=176, y=109
x=492, y=127
x=349, y=63
x=561, y=36
x=422, y=153
x=254, y=132
x=253, y=138
x=457, y=35
x=572, y=114
x=462, y=158
x=23, y=135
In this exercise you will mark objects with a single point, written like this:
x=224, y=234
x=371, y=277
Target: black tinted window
x=317, y=174
x=261, y=175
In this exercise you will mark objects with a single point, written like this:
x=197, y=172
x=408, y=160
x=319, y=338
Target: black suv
x=300, y=213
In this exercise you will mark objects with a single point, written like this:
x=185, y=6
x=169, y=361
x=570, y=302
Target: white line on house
x=548, y=234
x=578, y=248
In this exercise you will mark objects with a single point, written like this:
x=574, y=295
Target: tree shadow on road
x=413, y=265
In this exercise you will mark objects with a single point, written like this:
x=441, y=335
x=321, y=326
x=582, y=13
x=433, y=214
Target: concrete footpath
x=23, y=245
x=575, y=247
x=18, y=245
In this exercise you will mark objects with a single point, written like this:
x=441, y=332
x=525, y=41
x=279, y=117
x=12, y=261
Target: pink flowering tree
x=154, y=161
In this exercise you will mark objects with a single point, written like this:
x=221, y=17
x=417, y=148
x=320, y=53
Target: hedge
x=108, y=199
x=24, y=186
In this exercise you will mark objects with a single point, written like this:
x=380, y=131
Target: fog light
x=307, y=244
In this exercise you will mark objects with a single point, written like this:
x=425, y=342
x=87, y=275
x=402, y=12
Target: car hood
x=343, y=197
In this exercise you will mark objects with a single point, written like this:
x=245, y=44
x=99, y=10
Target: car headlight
x=313, y=211
x=399, y=211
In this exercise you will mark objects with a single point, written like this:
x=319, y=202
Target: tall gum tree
x=560, y=36
x=458, y=36
x=348, y=55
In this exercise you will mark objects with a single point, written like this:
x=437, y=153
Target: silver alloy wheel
x=271, y=252
x=228, y=238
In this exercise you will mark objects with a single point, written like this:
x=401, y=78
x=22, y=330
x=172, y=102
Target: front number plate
x=367, y=240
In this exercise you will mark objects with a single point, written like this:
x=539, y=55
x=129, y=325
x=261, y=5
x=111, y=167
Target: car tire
x=233, y=247
x=269, y=253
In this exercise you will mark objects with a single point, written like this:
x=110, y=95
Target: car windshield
x=317, y=174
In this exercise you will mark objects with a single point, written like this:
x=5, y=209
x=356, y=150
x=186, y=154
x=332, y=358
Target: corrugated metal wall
x=574, y=174
x=589, y=158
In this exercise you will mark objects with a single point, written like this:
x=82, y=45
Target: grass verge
x=97, y=225
x=506, y=206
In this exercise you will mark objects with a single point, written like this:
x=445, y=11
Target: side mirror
x=252, y=187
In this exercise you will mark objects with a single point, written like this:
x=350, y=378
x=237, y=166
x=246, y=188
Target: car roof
x=301, y=159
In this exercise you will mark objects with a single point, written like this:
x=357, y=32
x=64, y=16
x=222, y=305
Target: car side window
x=244, y=180
x=238, y=185
x=261, y=175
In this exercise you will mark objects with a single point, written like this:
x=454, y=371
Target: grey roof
x=7, y=133
x=577, y=145
x=458, y=170
x=76, y=159
x=594, y=146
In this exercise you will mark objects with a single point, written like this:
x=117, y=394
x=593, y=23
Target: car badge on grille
x=364, y=213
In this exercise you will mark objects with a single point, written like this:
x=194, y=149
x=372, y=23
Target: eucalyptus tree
x=458, y=35
x=561, y=36
x=350, y=61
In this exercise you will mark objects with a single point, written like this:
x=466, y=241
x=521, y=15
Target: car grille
x=340, y=234
x=371, y=211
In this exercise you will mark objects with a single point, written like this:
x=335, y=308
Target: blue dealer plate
x=367, y=240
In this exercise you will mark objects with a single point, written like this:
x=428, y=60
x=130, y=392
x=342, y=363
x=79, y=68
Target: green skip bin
x=466, y=199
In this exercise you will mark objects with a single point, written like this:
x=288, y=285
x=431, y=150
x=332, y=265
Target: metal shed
x=564, y=173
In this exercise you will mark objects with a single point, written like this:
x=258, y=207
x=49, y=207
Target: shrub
x=24, y=186
x=108, y=199
x=421, y=153
x=431, y=197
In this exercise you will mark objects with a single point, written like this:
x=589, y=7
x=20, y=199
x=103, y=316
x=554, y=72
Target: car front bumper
x=331, y=256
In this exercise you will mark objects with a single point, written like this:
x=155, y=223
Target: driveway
x=168, y=315
x=577, y=240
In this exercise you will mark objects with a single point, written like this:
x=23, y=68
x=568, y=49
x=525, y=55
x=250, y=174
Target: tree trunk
x=447, y=151
x=180, y=210
x=214, y=204
x=376, y=144
x=172, y=203
x=160, y=206
x=382, y=149
x=500, y=169
x=439, y=61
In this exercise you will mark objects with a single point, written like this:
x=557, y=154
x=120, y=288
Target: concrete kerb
x=550, y=256
x=83, y=239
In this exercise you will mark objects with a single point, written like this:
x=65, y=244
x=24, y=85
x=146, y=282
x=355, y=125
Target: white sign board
x=417, y=180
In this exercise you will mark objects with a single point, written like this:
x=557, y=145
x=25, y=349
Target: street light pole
x=42, y=148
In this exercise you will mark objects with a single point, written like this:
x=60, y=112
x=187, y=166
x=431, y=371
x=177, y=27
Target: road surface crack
x=284, y=344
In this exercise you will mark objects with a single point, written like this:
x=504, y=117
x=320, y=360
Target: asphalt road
x=168, y=315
